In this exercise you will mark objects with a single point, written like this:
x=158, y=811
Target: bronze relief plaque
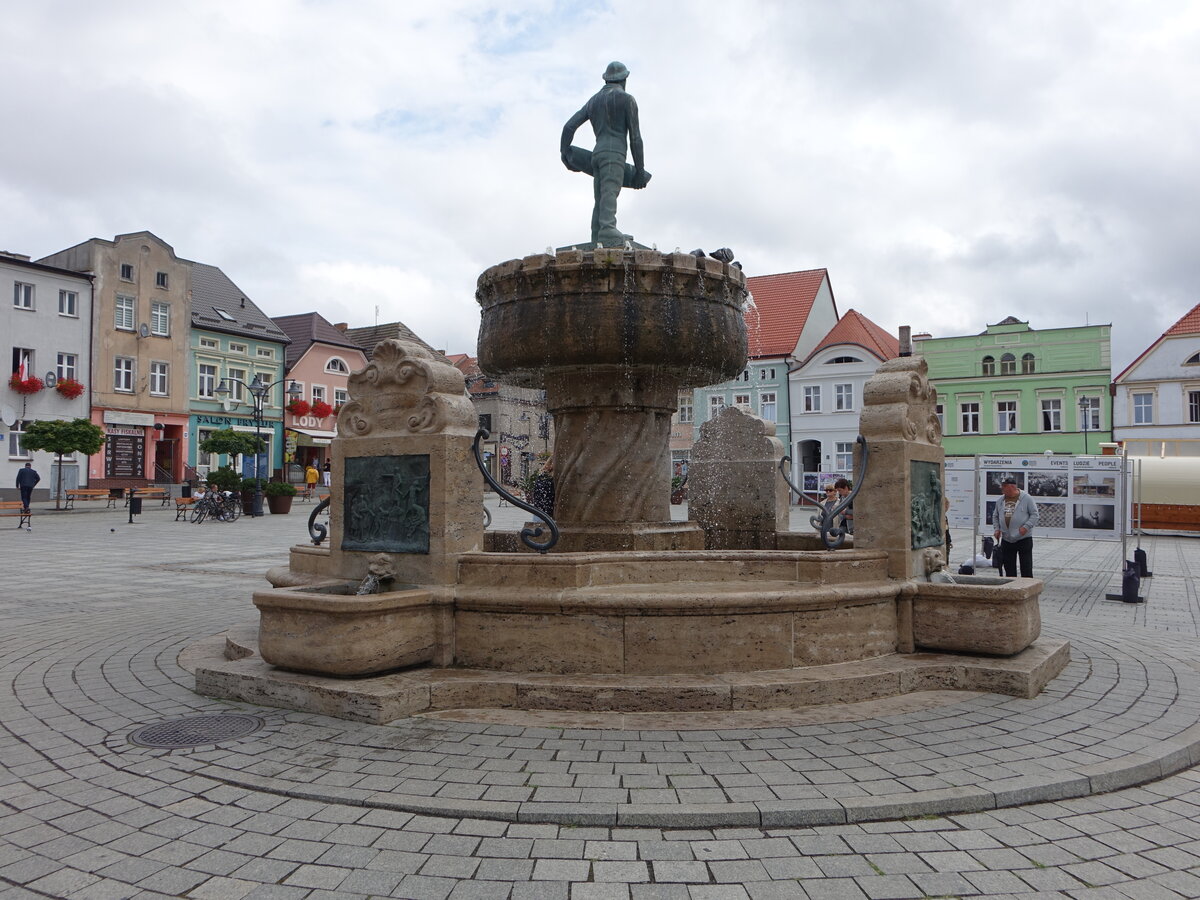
x=386, y=503
x=927, y=502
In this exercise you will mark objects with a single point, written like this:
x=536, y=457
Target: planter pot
x=279, y=505
x=248, y=503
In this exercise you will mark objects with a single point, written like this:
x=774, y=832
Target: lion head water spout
x=380, y=571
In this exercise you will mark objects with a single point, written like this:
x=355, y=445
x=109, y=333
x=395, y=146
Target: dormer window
x=843, y=359
x=337, y=366
x=1193, y=360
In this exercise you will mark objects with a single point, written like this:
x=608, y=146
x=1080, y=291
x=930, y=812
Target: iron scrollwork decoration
x=317, y=531
x=527, y=534
x=832, y=535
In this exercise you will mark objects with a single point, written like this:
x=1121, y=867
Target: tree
x=59, y=436
x=233, y=443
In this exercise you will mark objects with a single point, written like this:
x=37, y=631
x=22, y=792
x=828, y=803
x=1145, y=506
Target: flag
x=23, y=369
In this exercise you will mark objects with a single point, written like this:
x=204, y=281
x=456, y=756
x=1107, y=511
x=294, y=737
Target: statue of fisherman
x=614, y=116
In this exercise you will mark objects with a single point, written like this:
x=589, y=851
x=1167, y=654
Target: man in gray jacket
x=1015, y=517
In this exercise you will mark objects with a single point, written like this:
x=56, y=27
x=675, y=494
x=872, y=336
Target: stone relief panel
x=928, y=498
x=407, y=389
x=386, y=503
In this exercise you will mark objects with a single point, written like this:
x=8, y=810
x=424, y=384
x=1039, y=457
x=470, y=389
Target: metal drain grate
x=196, y=731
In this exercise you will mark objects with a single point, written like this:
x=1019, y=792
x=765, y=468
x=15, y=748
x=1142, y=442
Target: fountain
x=410, y=607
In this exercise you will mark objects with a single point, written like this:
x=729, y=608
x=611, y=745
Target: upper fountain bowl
x=627, y=309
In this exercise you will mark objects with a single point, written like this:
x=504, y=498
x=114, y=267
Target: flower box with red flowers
x=30, y=385
x=69, y=388
x=321, y=409
x=299, y=408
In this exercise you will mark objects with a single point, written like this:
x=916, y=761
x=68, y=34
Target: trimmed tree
x=59, y=436
x=233, y=443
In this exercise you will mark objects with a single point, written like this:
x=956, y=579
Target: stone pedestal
x=612, y=336
x=736, y=493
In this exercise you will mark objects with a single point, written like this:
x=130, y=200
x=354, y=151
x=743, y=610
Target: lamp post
x=259, y=389
x=1085, y=413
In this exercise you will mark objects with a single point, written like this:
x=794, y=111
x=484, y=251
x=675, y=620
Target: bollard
x=1131, y=583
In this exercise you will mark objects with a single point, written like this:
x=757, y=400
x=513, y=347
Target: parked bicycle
x=225, y=506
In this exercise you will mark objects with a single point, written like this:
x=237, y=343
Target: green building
x=1013, y=389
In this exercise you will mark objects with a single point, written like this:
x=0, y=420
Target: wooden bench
x=182, y=505
x=91, y=494
x=149, y=493
x=17, y=508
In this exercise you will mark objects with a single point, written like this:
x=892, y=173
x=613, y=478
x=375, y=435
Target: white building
x=826, y=393
x=1156, y=400
x=45, y=323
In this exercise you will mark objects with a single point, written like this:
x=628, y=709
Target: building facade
x=1013, y=389
x=785, y=318
x=46, y=323
x=1156, y=400
x=141, y=313
x=826, y=391
x=233, y=343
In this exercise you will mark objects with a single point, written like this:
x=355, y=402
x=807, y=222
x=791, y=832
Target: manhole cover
x=196, y=731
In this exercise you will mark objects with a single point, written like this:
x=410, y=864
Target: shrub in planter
x=225, y=479
x=279, y=497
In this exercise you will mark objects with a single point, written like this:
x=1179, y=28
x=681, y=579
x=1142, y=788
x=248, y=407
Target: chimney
x=342, y=326
x=906, y=340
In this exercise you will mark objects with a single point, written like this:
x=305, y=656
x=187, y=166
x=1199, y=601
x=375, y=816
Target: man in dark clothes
x=26, y=479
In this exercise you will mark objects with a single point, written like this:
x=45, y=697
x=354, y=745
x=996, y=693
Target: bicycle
x=222, y=505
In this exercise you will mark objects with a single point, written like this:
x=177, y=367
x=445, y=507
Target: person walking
x=327, y=474
x=26, y=479
x=1014, y=518
x=311, y=477
x=842, y=486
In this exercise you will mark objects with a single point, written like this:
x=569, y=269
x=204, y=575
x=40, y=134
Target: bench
x=182, y=505
x=149, y=493
x=17, y=508
x=90, y=494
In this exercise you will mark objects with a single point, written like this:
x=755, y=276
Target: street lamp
x=259, y=390
x=1085, y=413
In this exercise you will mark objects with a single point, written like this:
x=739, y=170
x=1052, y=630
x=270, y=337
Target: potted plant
x=249, y=486
x=279, y=497
x=299, y=408
x=30, y=385
x=321, y=409
x=69, y=388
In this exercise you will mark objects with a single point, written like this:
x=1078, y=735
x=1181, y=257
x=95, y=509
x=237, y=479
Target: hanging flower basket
x=30, y=385
x=321, y=409
x=69, y=388
x=299, y=407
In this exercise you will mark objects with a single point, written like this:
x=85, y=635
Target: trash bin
x=186, y=490
x=135, y=506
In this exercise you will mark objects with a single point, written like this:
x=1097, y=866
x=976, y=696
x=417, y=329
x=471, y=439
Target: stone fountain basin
x=986, y=614
x=326, y=629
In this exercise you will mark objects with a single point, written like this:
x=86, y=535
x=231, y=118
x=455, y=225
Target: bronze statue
x=614, y=117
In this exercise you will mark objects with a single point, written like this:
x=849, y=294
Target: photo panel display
x=1094, y=516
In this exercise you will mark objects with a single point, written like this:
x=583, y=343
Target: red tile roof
x=783, y=303
x=855, y=328
x=1189, y=324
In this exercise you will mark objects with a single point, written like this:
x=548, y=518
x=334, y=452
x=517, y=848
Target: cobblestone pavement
x=97, y=612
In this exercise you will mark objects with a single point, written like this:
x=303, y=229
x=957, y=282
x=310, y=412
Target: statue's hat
x=616, y=72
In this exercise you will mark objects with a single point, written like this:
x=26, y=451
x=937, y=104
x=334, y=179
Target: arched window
x=1008, y=364
x=989, y=365
x=843, y=359
x=337, y=366
x=1027, y=364
x=1193, y=360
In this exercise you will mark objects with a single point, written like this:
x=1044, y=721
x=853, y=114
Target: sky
x=950, y=163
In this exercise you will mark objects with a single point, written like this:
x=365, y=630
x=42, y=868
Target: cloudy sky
x=949, y=163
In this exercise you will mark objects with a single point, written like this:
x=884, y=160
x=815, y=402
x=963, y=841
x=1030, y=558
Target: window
x=969, y=417
x=1143, y=409
x=210, y=343
x=745, y=376
x=266, y=352
x=1027, y=364
x=1193, y=360
x=989, y=365
x=812, y=398
x=741, y=400
x=843, y=456
x=160, y=319
x=1193, y=406
x=843, y=359
x=764, y=374
x=1092, y=407
x=1051, y=415
x=126, y=271
x=766, y=406
x=67, y=363
x=160, y=280
x=224, y=315
x=15, y=450
x=159, y=381
x=237, y=348
x=123, y=374
x=685, y=409
x=22, y=295
x=124, y=315
x=207, y=383
x=23, y=354
x=940, y=412
x=318, y=393
x=843, y=396
x=68, y=303
x=337, y=366
x=1006, y=416
x=1008, y=364
x=715, y=405
x=341, y=397
x=236, y=378
x=202, y=458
